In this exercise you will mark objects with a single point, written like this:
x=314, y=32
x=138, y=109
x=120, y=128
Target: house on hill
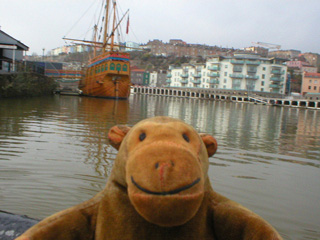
x=11, y=52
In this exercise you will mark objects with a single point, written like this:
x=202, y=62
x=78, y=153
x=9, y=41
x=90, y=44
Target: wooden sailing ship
x=107, y=74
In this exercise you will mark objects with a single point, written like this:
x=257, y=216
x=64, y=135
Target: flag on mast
x=127, y=25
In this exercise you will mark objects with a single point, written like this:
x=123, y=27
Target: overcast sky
x=293, y=24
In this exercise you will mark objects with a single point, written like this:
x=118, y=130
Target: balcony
x=277, y=71
x=184, y=81
x=197, y=75
x=214, y=74
x=237, y=62
x=214, y=68
x=276, y=79
x=237, y=69
x=184, y=75
x=274, y=86
x=168, y=80
x=169, y=75
x=196, y=81
x=251, y=70
x=252, y=77
x=253, y=63
x=235, y=75
x=214, y=81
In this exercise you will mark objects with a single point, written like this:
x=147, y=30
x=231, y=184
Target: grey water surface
x=54, y=154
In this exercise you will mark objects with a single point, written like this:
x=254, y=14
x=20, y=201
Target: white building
x=79, y=48
x=157, y=79
x=240, y=72
x=132, y=46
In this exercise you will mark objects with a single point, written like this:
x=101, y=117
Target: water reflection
x=245, y=126
x=54, y=153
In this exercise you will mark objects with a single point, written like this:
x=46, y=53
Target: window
x=226, y=66
x=264, y=68
x=225, y=74
x=125, y=68
x=112, y=66
x=315, y=88
x=315, y=81
x=310, y=81
x=106, y=67
x=309, y=87
x=225, y=81
x=118, y=67
x=263, y=76
x=262, y=89
x=262, y=83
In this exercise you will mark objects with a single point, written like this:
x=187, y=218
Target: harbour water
x=54, y=154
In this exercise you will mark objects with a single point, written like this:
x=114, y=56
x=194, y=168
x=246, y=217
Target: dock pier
x=241, y=96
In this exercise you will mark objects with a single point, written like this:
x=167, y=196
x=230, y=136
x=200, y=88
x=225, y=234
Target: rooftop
x=308, y=74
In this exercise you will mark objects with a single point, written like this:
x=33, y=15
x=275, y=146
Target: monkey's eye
x=142, y=136
x=185, y=137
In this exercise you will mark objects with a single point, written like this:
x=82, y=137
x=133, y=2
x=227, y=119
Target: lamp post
x=43, y=49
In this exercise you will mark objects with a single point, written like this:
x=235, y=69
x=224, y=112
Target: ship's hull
x=108, y=76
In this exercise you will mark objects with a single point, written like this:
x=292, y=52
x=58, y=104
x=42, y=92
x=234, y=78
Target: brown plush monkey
x=158, y=189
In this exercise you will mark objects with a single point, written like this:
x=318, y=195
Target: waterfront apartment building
x=310, y=83
x=239, y=72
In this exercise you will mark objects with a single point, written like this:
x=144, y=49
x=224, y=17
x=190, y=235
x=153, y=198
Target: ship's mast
x=105, y=35
x=95, y=40
x=113, y=24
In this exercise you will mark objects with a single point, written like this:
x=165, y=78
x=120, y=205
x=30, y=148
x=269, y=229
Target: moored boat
x=107, y=74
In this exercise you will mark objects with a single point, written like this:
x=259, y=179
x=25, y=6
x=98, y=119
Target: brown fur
x=158, y=189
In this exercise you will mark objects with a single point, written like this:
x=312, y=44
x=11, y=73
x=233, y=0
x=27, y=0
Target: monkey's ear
x=116, y=134
x=210, y=142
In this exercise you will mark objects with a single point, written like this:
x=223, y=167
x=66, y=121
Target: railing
x=274, y=86
x=252, y=62
x=184, y=81
x=197, y=75
x=251, y=70
x=214, y=74
x=184, y=75
x=214, y=81
x=214, y=68
x=234, y=75
x=276, y=79
x=277, y=71
x=252, y=77
x=196, y=81
x=237, y=69
x=237, y=62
